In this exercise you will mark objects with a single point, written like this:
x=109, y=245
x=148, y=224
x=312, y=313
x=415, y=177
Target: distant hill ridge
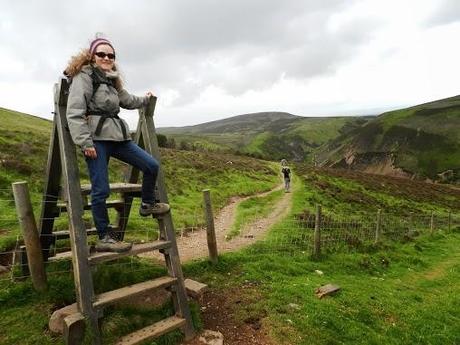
x=421, y=141
x=238, y=123
x=269, y=135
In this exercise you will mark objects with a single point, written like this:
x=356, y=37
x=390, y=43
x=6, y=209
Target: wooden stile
x=62, y=162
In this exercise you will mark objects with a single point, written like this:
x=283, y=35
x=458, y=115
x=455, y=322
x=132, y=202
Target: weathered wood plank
x=172, y=256
x=96, y=258
x=114, y=296
x=74, y=329
x=210, y=230
x=30, y=235
x=195, y=289
x=153, y=331
x=62, y=207
x=99, y=257
x=118, y=187
x=72, y=191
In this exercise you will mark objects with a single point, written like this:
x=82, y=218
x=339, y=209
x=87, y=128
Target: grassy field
x=24, y=144
x=398, y=292
x=403, y=291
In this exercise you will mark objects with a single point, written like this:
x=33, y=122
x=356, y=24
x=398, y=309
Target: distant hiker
x=95, y=97
x=286, y=175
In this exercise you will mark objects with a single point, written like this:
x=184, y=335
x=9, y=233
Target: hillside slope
x=24, y=142
x=269, y=135
x=423, y=140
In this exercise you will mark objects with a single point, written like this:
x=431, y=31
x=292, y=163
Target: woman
x=95, y=97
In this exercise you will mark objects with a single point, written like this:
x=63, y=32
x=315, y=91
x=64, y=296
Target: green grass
x=401, y=294
x=25, y=313
x=391, y=293
x=24, y=150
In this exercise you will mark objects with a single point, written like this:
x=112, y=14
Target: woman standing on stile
x=95, y=97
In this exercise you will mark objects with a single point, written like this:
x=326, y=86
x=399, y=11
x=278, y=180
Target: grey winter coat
x=82, y=102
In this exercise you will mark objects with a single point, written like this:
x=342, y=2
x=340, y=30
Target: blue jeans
x=128, y=152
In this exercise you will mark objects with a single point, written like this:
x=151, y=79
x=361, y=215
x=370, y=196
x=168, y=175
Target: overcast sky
x=211, y=59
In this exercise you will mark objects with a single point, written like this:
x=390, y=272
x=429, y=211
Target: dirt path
x=193, y=245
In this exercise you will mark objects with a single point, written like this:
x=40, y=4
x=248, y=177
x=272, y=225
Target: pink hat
x=97, y=42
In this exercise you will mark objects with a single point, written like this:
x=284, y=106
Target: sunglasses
x=102, y=55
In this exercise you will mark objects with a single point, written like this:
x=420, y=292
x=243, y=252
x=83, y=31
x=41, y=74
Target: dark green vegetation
x=423, y=140
x=267, y=135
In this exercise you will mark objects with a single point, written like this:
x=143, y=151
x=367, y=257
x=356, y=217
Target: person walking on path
x=96, y=95
x=286, y=175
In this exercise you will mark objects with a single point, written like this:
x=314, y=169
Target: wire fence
x=309, y=233
x=316, y=234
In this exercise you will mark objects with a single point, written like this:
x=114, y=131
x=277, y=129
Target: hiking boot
x=156, y=209
x=108, y=244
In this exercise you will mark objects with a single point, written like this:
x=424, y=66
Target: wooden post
x=317, y=236
x=30, y=234
x=411, y=224
x=432, y=222
x=84, y=290
x=378, y=226
x=210, y=230
x=74, y=329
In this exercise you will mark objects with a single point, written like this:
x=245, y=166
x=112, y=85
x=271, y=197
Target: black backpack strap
x=99, y=78
x=104, y=116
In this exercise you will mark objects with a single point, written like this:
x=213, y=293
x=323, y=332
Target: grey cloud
x=187, y=45
x=448, y=11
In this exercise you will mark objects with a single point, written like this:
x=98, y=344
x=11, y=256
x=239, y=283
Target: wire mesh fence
x=303, y=234
x=298, y=234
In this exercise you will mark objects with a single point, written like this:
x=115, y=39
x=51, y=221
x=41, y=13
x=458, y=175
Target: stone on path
x=211, y=338
x=326, y=290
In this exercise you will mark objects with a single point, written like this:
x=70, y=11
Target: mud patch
x=229, y=312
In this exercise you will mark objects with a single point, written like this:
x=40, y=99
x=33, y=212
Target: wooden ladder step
x=119, y=187
x=153, y=331
x=117, y=204
x=98, y=257
x=63, y=234
x=114, y=296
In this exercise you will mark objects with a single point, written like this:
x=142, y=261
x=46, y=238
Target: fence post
x=210, y=230
x=449, y=220
x=30, y=234
x=378, y=225
x=317, y=236
x=411, y=230
x=432, y=222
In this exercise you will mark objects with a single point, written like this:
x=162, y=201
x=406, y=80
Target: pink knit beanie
x=97, y=42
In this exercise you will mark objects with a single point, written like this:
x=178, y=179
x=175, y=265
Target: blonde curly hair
x=84, y=58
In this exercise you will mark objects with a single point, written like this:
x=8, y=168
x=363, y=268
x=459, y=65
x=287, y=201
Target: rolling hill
x=420, y=141
x=268, y=135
